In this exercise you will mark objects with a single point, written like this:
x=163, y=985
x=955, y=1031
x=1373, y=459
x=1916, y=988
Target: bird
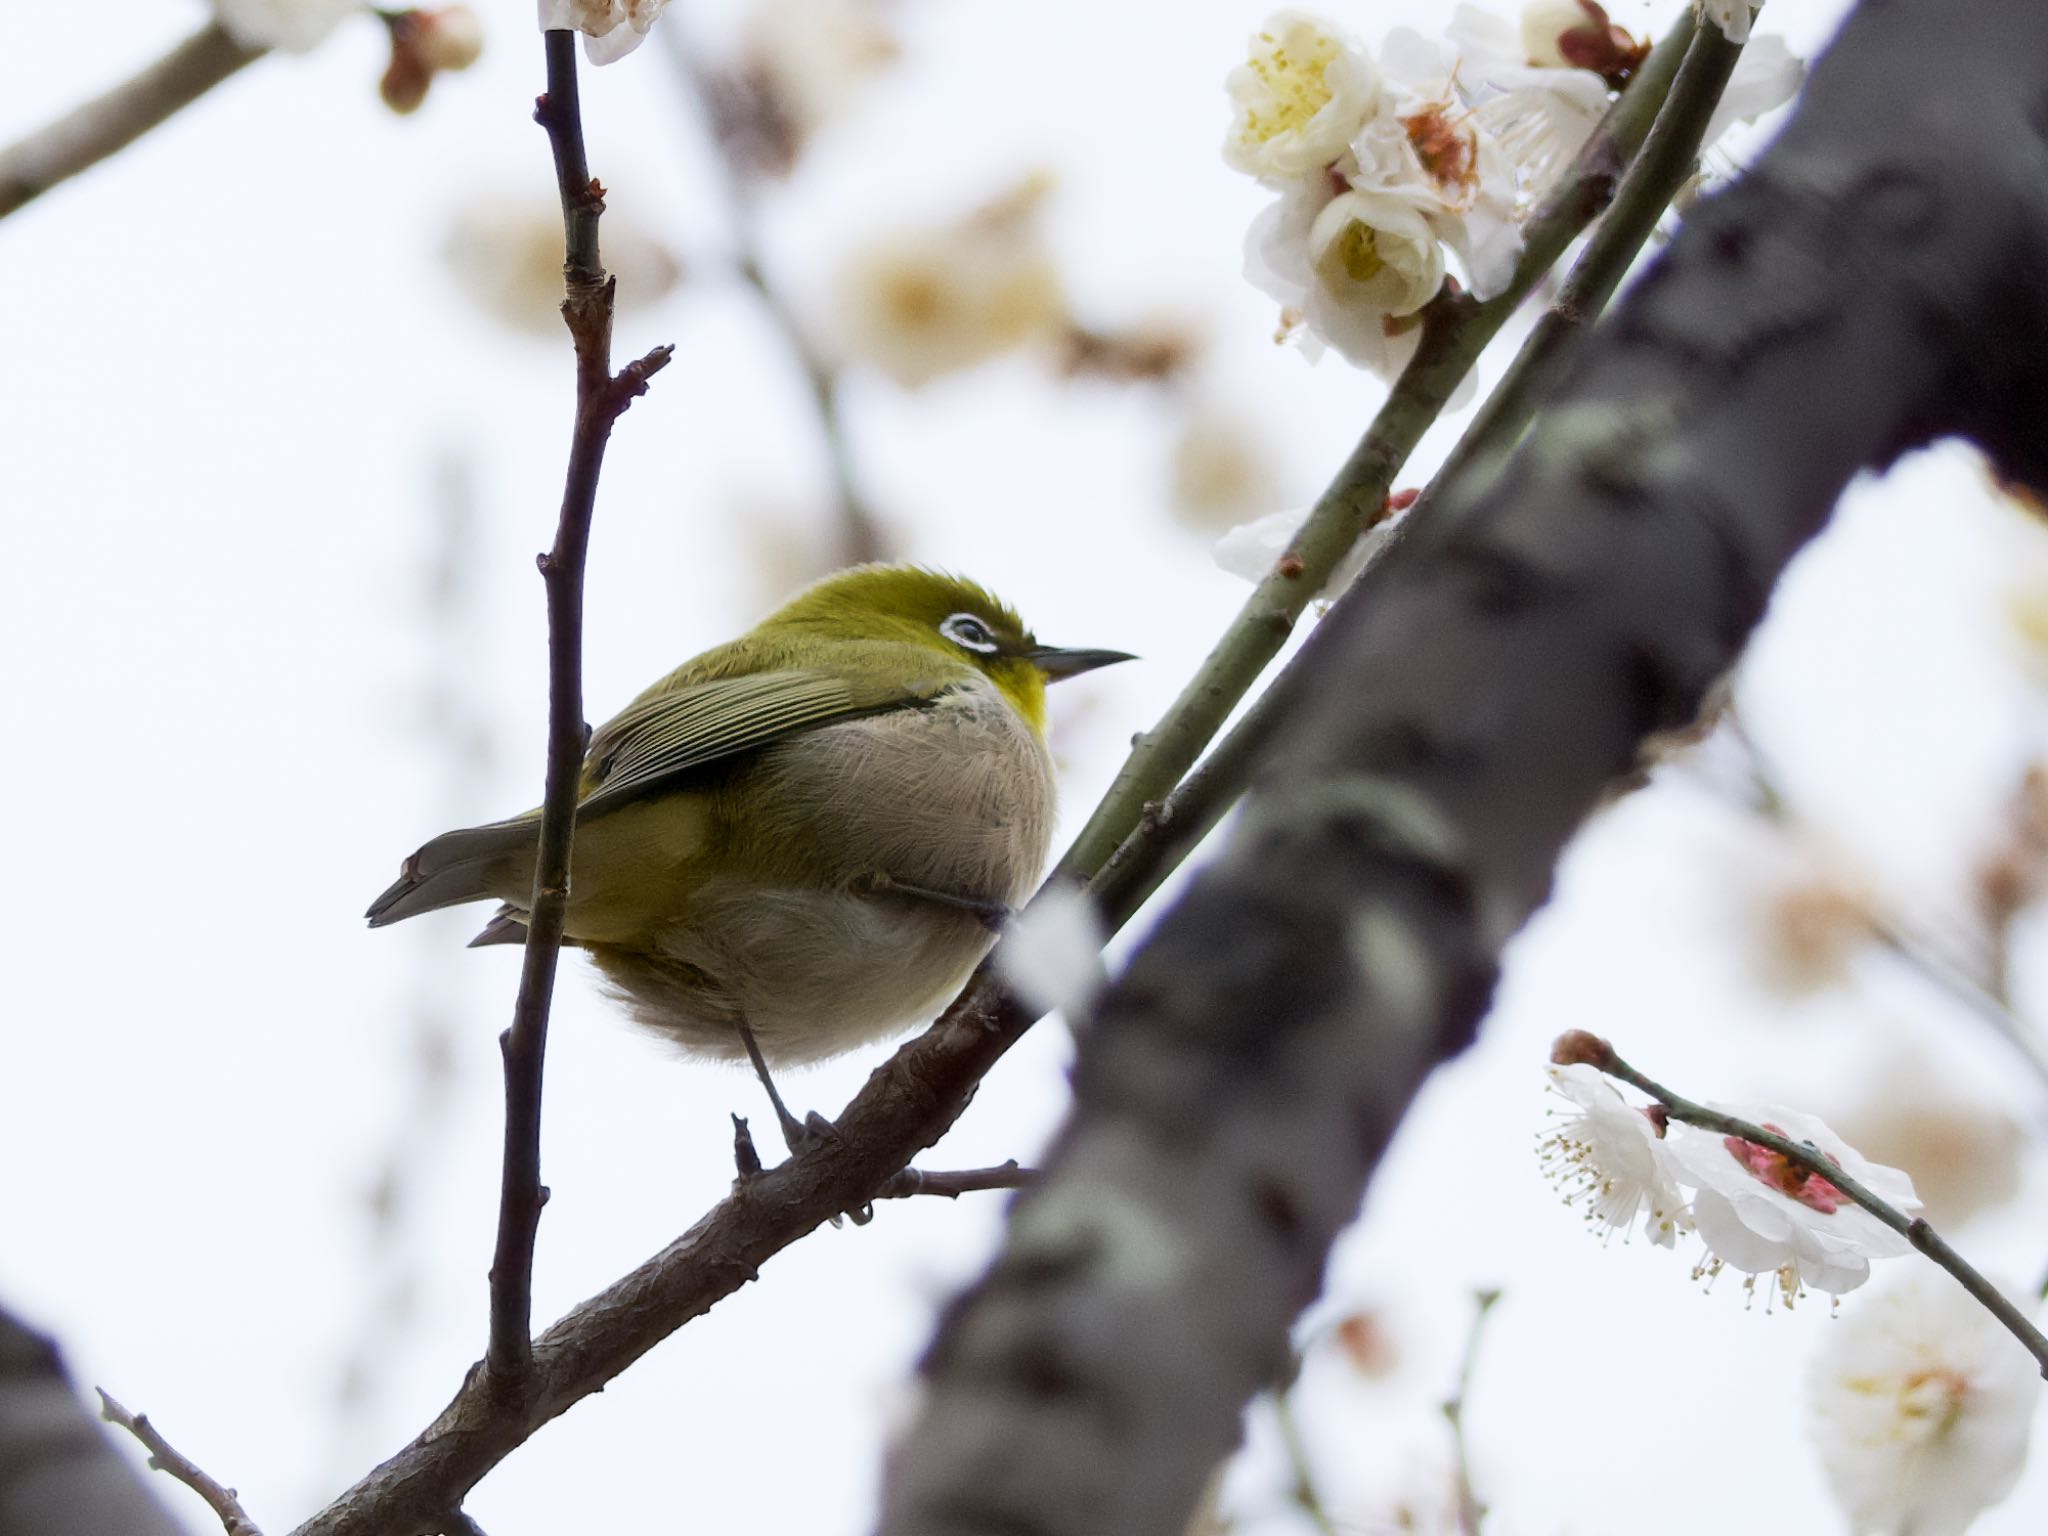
x=804, y=840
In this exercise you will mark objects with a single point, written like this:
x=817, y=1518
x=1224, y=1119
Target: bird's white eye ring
x=969, y=633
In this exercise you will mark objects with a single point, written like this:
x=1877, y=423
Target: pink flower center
x=1785, y=1176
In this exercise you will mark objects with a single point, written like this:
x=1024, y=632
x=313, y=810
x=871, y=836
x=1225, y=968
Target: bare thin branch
x=1914, y=1229
x=601, y=398
x=915, y=1181
x=88, y=134
x=164, y=1457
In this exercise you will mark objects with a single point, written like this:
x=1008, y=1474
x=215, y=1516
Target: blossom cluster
x=1756, y=1210
x=1386, y=165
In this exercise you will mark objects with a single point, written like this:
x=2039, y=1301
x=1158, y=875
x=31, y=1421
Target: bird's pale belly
x=955, y=800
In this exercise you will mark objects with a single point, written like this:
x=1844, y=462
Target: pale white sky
x=231, y=364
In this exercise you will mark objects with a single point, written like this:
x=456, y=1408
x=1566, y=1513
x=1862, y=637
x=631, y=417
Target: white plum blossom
x=1608, y=1157
x=1759, y=1212
x=1297, y=99
x=1432, y=147
x=611, y=28
x=1767, y=76
x=1540, y=115
x=1731, y=16
x=1919, y=1406
x=1052, y=953
x=1352, y=266
x=292, y=26
x=1252, y=549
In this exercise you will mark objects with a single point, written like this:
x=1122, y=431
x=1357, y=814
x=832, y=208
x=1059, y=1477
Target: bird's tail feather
x=466, y=865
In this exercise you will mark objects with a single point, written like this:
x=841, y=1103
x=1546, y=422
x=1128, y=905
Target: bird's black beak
x=1056, y=663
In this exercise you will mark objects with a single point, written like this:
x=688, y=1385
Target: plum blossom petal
x=1920, y=1406
x=1297, y=99
x=1761, y=1213
x=1608, y=1157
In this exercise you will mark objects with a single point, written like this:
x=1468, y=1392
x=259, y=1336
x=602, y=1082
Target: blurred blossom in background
x=946, y=286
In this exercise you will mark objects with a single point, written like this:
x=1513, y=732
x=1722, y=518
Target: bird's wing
x=671, y=733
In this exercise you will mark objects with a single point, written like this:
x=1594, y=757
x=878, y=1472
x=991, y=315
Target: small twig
x=915, y=1181
x=1913, y=1228
x=746, y=1161
x=163, y=1457
x=109, y=122
x=1471, y=1509
x=1301, y=1485
x=860, y=536
x=601, y=398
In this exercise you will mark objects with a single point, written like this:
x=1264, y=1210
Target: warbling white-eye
x=803, y=840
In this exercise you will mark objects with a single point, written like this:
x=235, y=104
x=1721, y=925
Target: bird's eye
x=965, y=630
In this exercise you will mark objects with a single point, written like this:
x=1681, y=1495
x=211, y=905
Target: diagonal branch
x=112, y=121
x=165, y=1457
x=1452, y=723
x=60, y=1474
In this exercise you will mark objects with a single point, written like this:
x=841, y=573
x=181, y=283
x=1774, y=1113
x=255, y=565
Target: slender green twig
x=1301, y=1488
x=1914, y=1229
x=1168, y=828
x=1456, y=329
x=1654, y=177
x=115, y=119
x=1471, y=1510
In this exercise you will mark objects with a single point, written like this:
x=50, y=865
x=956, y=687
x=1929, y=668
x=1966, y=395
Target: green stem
x=1302, y=1488
x=1456, y=329
x=1471, y=1510
x=1695, y=66
x=1914, y=1229
x=1670, y=153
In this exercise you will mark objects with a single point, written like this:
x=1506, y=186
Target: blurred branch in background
x=111, y=122
x=454, y=731
x=1976, y=972
x=756, y=130
x=423, y=44
x=1471, y=1509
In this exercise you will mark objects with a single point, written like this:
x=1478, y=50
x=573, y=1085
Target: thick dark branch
x=600, y=400
x=1453, y=723
x=88, y=134
x=59, y=1473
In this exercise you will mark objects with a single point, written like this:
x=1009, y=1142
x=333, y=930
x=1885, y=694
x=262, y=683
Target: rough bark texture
x=59, y=1473
x=1873, y=283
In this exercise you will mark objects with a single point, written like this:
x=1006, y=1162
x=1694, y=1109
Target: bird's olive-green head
x=947, y=615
